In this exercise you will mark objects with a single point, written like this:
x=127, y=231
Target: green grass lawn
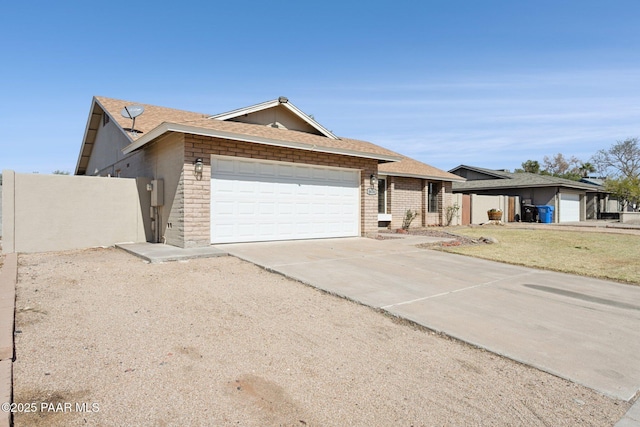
x=602, y=255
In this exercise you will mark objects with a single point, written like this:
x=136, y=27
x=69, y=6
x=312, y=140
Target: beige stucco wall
x=480, y=204
x=630, y=217
x=56, y=212
x=163, y=160
x=456, y=199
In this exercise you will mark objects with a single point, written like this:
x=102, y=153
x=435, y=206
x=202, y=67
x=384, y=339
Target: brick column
x=368, y=202
x=196, y=199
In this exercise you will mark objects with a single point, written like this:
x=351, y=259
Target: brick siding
x=405, y=193
x=196, y=193
x=412, y=193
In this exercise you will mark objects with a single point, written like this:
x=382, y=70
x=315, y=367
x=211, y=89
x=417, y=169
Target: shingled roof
x=518, y=180
x=157, y=121
x=412, y=168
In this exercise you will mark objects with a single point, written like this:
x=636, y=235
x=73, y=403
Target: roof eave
x=193, y=130
x=245, y=110
x=479, y=170
x=95, y=103
x=86, y=132
x=326, y=132
x=413, y=175
x=598, y=190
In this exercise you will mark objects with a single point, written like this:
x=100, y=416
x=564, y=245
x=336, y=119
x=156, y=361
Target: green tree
x=626, y=190
x=59, y=172
x=586, y=169
x=621, y=164
x=530, y=166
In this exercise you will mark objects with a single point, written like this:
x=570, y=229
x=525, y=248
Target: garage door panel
x=247, y=208
x=569, y=207
x=254, y=200
x=225, y=167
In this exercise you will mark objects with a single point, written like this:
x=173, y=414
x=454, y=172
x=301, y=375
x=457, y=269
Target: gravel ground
x=222, y=342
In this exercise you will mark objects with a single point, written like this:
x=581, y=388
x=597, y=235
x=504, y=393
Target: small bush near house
x=452, y=212
x=409, y=216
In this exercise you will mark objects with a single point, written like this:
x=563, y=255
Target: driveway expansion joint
x=533, y=328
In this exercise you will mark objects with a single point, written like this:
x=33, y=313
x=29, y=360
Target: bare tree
x=560, y=166
x=621, y=165
x=622, y=160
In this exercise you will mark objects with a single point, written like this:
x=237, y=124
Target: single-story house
x=264, y=172
x=410, y=184
x=571, y=200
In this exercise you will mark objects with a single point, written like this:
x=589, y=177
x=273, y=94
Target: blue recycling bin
x=545, y=213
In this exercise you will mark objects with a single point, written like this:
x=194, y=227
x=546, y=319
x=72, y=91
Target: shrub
x=409, y=216
x=452, y=212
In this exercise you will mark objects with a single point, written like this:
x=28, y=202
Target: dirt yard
x=222, y=342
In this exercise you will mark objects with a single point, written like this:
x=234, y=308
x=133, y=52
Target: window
x=433, y=190
x=382, y=196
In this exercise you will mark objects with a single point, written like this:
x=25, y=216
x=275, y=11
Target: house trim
x=270, y=104
x=429, y=177
x=194, y=130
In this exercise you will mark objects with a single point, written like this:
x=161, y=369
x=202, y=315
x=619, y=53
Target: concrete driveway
x=581, y=329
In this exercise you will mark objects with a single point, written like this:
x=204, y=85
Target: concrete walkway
x=157, y=252
x=581, y=329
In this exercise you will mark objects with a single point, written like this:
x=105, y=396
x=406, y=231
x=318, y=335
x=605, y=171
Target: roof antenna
x=131, y=112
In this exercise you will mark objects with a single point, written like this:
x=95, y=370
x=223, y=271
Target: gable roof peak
x=496, y=173
x=280, y=102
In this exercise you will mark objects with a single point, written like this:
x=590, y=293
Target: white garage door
x=257, y=200
x=569, y=207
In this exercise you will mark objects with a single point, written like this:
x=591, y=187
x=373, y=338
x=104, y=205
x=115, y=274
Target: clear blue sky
x=486, y=83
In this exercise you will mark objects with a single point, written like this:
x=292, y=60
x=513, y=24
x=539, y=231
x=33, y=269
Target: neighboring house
x=571, y=200
x=608, y=207
x=410, y=184
x=260, y=173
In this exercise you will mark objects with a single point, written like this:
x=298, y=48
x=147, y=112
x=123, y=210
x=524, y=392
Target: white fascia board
x=86, y=132
x=175, y=127
x=114, y=121
x=147, y=137
x=270, y=104
x=431, y=177
x=246, y=110
x=95, y=103
x=295, y=110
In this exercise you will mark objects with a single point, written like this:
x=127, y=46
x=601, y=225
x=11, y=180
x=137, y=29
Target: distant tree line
x=619, y=165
